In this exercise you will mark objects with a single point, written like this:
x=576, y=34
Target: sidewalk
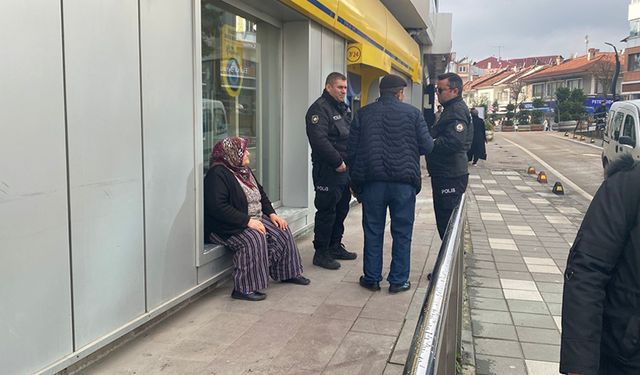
x=520, y=238
x=332, y=326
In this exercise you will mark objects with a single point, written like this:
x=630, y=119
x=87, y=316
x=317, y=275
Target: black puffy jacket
x=386, y=140
x=601, y=300
x=452, y=137
x=328, y=123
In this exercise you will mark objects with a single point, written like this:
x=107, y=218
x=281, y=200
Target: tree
x=510, y=114
x=523, y=115
x=516, y=92
x=481, y=101
x=570, y=104
x=603, y=71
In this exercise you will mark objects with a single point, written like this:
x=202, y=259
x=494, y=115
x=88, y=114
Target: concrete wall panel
x=35, y=287
x=168, y=128
x=105, y=164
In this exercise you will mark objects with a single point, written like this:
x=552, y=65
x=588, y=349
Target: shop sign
x=231, y=63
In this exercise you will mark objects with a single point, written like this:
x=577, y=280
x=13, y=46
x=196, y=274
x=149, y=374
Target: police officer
x=452, y=136
x=328, y=120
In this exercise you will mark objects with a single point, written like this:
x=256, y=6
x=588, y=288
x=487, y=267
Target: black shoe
x=321, y=259
x=374, y=287
x=251, y=296
x=397, y=288
x=300, y=280
x=338, y=251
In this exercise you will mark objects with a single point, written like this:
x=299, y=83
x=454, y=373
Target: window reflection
x=236, y=101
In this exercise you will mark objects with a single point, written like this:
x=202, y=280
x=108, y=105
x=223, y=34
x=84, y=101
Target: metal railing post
x=437, y=338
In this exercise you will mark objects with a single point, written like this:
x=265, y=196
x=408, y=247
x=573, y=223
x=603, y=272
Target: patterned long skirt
x=257, y=256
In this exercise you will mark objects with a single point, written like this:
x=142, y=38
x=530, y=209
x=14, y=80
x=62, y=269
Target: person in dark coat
x=478, y=149
x=328, y=120
x=239, y=215
x=601, y=300
x=385, y=143
x=452, y=137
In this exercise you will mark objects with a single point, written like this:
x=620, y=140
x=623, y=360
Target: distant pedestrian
x=452, y=137
x=478, y=149
x=438, y=112
x=601, y=300
x=328, y=120
x=385, y=143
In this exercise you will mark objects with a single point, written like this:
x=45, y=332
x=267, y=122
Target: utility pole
x=586, y=43
x=499, y=52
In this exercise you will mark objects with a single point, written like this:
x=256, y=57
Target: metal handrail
x=433, y=349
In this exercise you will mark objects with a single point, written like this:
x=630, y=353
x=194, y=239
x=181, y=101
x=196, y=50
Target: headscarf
x=230, y=152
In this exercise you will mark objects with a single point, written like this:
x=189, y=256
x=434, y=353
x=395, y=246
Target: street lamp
x=614, y=82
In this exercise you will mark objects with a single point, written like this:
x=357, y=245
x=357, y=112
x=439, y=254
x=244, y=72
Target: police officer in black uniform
x=328, y=120
x=452, y=136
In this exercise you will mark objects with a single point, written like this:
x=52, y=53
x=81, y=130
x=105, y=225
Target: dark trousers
x=332, y=205
x=401, y=200
x=447, y=192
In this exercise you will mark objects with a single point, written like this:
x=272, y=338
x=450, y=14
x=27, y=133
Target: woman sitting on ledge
x=239, y=215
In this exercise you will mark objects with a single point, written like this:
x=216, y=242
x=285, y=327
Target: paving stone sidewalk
x=520, y=238
x=332, y=326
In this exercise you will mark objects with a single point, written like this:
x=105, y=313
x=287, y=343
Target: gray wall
x=100, y=193
x=311, y=52
x=105, y=165
x=167, y=79
x=35, y=288
x=89, y=245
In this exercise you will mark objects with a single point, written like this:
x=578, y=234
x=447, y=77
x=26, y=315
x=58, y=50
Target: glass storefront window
x=241, y=88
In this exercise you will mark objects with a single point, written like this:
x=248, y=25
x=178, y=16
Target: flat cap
x=390, y=81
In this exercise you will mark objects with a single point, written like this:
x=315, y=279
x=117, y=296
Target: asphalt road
x=578, y=162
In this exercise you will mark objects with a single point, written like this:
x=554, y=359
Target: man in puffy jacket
x=328, y=120
x=601, y=300
x=385, y=143
x=452, y=137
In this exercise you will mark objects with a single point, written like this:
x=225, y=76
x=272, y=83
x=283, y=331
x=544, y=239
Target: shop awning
x=377, y=38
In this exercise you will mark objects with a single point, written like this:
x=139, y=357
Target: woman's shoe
x=300, y=280
x=251, y=296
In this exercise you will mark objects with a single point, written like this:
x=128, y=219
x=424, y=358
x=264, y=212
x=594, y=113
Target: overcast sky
x=535, y=27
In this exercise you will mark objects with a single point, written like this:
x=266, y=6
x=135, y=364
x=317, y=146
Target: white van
x=621, y=134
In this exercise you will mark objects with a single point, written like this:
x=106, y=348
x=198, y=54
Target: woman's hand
x=279, y=222
x=257, y=225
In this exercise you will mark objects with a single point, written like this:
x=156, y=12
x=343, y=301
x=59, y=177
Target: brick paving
x=516, y=241
x=332, y=326
x=520, y=238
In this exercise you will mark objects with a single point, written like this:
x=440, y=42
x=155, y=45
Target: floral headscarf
x=230, y=152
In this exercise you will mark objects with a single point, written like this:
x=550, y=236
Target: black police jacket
x=601, y=300
x=385, y=143
x=452, y=137
x=328, y=122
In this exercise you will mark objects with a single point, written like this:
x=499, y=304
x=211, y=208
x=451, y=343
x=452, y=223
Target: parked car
x=621, y=133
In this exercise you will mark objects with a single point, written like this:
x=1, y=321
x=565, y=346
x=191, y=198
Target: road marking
x=578, y=142
x=567, y=181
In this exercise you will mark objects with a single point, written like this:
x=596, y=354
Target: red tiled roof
x=497, y=77
x=480, y=81
x=579, y=64
x=520, y=62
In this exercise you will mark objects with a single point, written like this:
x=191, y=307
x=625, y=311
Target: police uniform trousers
x=447, y=192
x=257, y=256
x=332, y=205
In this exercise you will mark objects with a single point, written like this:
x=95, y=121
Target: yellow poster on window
x=231, y=63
